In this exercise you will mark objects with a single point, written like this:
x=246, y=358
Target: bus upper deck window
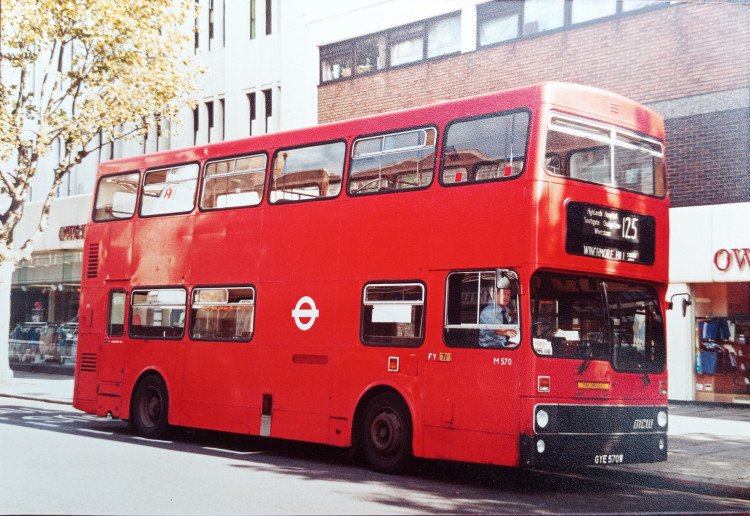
x=392, y=162
x=234, y=182
x=602, y=154
x=116, y=197
x=307, y=173
x=489, y=148
x=169, y=190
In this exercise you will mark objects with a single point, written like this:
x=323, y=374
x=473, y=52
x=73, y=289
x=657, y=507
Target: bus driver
x=497, y=313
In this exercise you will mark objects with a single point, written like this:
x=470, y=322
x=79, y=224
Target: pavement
x=709, y=443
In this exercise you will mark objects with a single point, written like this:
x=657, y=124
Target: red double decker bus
x=478, y=280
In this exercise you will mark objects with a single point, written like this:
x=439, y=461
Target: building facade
x=282, y=64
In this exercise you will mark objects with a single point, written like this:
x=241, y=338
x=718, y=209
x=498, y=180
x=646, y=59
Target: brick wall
x=674, y=52
x=709, y=158
x=670, y=53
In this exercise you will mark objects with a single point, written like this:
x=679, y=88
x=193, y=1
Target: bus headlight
x=542, y=419
x=661, y=418
x=540, y=446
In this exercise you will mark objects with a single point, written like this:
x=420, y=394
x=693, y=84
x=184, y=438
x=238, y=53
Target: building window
x=393, y=162
x=444, y=37
x=586, y=10
x=307, y=173
x=498, y=22
x=252, y=19
x=407, y=45
x=542, y=15
x=268, y=100
x=210, y=23
x=196, y=125
x=234, y=182
x=210, y=116
x=158, y=313
x=252, y=111
x=393, y=314
x=269, y=24
x=222, y=314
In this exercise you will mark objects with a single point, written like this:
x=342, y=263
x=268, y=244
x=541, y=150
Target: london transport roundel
x=305, y=309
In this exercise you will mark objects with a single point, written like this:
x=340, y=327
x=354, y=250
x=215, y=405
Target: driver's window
x=482, y=309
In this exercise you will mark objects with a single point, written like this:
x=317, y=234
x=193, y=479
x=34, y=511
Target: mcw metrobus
x=477, y=280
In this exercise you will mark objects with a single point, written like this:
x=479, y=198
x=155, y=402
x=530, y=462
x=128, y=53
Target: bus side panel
x=161, y=356
x=296, y=320
x=227, y=247
x=162, y=247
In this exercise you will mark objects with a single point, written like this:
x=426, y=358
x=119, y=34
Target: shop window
x=158, y=313
x=308, y=173
x=485, y=149
x=116, y=313
x=169, y=190
x=116, y=197
x=393, y=314
x=481, y=309
x=234, y=182
x=222, y=313
x=392, y=162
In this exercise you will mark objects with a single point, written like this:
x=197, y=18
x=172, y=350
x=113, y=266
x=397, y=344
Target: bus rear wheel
x=149, y=407
x=386, y=434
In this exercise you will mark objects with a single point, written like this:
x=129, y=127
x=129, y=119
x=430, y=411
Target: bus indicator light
x=543, y=383
x=393, y=364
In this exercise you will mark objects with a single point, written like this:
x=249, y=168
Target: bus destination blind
x=610, y=234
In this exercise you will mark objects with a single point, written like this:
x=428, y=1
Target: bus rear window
x=116, y=197
x=606, y=155
x=490, y=148
x=392, y=162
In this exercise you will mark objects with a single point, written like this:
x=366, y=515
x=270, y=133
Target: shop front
x=710, y=262
x=45, y=291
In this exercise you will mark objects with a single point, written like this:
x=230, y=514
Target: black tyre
x=386, y=433
x=149, y=408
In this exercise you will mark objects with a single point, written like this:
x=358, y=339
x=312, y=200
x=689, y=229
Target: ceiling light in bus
x=543, y=383
x=661, y=418
x=542, y=419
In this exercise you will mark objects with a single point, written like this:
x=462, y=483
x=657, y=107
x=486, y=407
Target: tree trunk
x=6, y=276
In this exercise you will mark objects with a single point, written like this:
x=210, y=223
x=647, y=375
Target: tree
x=76, y=75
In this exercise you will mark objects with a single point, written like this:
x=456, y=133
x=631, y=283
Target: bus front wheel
x=386, y=433
x=149, y=407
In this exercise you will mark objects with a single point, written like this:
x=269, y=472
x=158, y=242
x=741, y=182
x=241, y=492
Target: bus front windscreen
x=607, y=155
x=586, y=318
